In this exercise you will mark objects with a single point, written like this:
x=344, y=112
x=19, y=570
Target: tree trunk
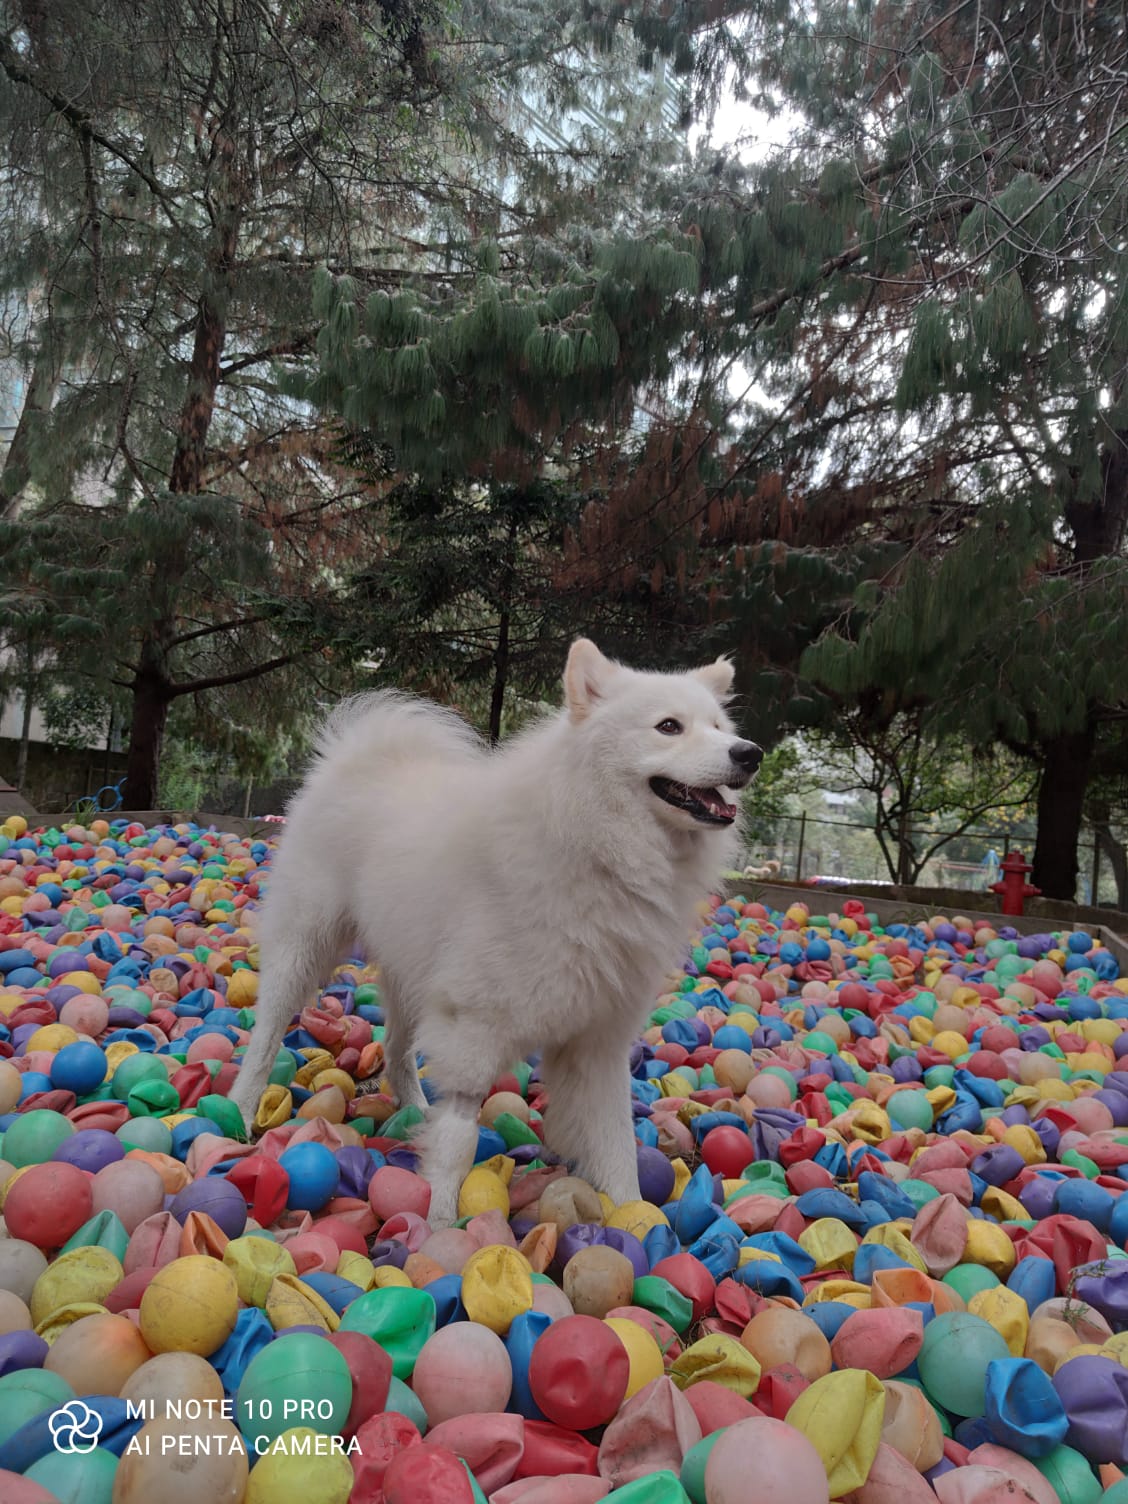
x=501, y=673
x=153, y=686
x=25, y=736
x=146, y=734
x=501, y=652
x=1066, y=762
x=1114, y=850
x=39, y=400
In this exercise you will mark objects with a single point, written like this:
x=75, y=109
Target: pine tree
x=174, y=175
x=967, y=339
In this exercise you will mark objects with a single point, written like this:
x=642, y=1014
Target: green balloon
x=29, y=1392
x=153, y=1099
x=404, y=1401
x=817, y=1040
x=34, y=1137
x=656, y=1488
x=693, y=1466
x=135, y=1069
x=224, y=1114
x=919, y=1192
x=146, y=1133
x=953, y=1359
x=401, y=1123
x=299, y=1379
x=761, y=1170
x=285, y=1067
x=103, y=1230
x=910, y=1109
x=77, y=1477
x=399, y=1319
x=969, y=1279
x=656, y=1294
x=1069, y=1475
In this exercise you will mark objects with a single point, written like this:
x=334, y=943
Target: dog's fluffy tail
x=388, y=724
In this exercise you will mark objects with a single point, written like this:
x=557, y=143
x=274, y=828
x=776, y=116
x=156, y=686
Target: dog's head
x=668, y=734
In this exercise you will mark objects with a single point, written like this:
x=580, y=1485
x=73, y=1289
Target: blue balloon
x=1023, y=1410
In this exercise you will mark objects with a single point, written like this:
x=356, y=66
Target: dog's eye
x=669, y=727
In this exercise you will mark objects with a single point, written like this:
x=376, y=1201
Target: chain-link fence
x=800, y=847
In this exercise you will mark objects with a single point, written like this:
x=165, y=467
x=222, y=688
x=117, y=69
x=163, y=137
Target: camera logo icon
x=75, y=1427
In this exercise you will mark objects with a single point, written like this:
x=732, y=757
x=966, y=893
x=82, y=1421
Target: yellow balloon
x=84, y=1275
x=301, y=1467
x=644, y=1353
x=497, y=1287
x=719, y=1359
x=256, y=1263
x=842, y=1415
x=483, y=1191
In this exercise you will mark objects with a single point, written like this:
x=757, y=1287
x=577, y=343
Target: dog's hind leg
x=588, y=1121
x=399, y=1047
x=295, y=963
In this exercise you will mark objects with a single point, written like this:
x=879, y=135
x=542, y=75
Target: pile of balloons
x=879, y=1253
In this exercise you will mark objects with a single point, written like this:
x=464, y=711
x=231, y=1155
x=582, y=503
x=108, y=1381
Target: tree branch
x=240, y=676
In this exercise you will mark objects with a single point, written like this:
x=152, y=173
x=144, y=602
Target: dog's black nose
x=746, y=755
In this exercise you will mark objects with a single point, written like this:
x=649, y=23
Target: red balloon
x=727, y=1150
x=578, y=1373
x=264, y=1186
x=371, y=1370
x=551, y=1452
x=691, y=1278
x=427, y=1475
x=717, y=1407
x=381, y=1439
x=126, y=1294
x=48, y=1203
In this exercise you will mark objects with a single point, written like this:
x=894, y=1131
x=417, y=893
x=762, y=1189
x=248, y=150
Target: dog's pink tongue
x=712, y=800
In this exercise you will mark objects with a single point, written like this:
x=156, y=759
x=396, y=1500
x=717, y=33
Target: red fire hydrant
x=1012, y=886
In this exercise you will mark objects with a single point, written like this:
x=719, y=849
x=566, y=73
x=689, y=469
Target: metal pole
x=247, y=800
x=802, y=839
x=1094, y=900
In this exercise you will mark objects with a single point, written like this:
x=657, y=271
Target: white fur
x=527, y=898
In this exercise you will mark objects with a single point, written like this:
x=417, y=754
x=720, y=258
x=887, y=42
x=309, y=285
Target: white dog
x=526, y=898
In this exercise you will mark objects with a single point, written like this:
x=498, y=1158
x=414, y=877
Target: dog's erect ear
x=587, y=678
x=717, y=677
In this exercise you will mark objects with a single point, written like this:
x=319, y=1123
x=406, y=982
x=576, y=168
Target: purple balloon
x=21, y=1349
x=1094, y=1391
x=655, y=1175
x=1117, y=1104
x=387, y=1251
x=90, y=1149
x=998, y=1164
x=218, y=1199
x=905, y=1068
x=1107, y=1293
x=1037, y=1196
x=357, y=1169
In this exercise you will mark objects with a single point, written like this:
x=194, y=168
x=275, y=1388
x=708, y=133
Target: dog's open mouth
x=705, y=805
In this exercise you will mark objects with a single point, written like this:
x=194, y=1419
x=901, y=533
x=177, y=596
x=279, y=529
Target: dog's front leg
x=589, y=1120
x=448, y=1141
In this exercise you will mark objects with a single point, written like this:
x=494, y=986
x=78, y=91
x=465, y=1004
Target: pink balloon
x=463, y=1369
x=653, y=1431
x=490, y=1445
x=1017, y=1467
x=572, y=1488
x=981, y=1485
x=392, y=1190
x=132, y=1189
x=892, y=1480
x=763, y=1461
